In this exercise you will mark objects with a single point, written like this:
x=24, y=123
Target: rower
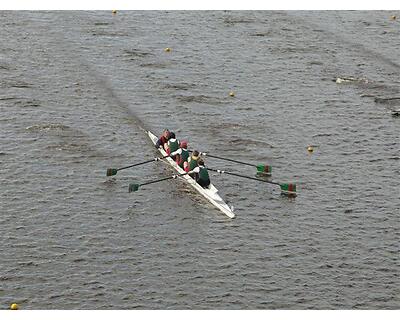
x=182, y=155
x=202, y=177
x=192, y=161
x=163, y=139
x=172, y=145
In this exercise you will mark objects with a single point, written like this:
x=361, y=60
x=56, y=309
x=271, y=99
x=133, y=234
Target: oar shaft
x=265, y=169
x=243, y=176
x=136, y=164
x=155, y=181
x=227, y=159
x=140, y=163
x=167, y=178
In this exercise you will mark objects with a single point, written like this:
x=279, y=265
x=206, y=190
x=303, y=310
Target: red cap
x=184, y=144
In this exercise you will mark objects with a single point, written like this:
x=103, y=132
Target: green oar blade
x=111, y=172
x=261, y=168
x=133, y=187
x=288, y=188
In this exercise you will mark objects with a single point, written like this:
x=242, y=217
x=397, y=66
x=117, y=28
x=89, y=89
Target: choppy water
x=75, y=90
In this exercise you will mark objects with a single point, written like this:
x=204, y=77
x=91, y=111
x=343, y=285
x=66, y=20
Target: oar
x=113, y=171
x=288, y=188
x=261, y=168
x=135, y=186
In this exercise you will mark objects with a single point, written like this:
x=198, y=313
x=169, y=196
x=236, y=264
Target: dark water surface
x=77, y=87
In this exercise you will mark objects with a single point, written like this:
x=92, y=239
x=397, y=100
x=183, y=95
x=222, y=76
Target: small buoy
x=232, y=94
x=14, y=306
x=167, y=49
x=393, y=17
x=114, y=11
x=310, y=149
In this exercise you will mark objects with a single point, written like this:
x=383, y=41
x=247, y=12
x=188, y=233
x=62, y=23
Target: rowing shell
x=210, y=193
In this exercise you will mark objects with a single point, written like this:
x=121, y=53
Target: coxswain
x=181, y=156
x=163, y=140
x=172, y=144
x=193, y=161
x=202, y=177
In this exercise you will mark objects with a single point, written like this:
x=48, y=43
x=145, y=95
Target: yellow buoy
x=14, y=306
x=310, y=149
x=232, y=94
x=167, y=49
x=393, y=17
x=114, y=11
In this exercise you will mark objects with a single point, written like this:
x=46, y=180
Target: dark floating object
x=395, y=113
x=377, y=99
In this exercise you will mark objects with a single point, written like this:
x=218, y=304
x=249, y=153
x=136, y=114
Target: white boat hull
x=211, y=193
